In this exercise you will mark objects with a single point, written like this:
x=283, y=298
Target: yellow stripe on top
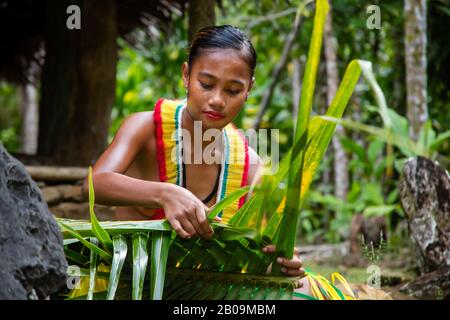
x=168, y=124
x=236, y=168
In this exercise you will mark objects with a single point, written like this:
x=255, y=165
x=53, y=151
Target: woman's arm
x=183, y=210
x=112, y=186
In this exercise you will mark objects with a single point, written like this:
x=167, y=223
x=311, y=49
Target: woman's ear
x=252, y=82
x=185, y=71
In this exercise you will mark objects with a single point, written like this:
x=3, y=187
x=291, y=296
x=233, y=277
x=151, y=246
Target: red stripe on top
x=160, y=156
x=244, y=181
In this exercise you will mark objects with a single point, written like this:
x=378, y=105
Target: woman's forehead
x=225, y=64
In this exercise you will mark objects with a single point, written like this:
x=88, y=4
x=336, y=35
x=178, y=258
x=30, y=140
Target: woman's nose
x=217, y=99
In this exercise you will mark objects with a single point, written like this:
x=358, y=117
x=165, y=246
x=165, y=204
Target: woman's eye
x=233, y=92
x=205, y=85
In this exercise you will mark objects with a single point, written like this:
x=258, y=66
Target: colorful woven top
x=235, y=161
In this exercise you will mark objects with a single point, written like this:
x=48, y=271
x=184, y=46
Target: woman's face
x=218, y=83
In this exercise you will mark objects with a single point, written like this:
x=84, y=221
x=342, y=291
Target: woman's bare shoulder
x=142, y=118
x=138, y=127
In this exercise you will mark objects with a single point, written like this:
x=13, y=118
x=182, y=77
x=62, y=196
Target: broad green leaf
x=426, y=137
x=378, y=94
x=99, y=232
x=374, y=150
x=160, y=250
x=401, y=123
x=444, y=136
x=120, y=252
x=380, y=210
x=140, y=259
x=352, y=147
x=410, y=147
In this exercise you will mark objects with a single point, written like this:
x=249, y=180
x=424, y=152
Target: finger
x=197, y=229
x=299, y=284
x=269, y=269
x=293, y=272
x=179, y=229
x=192, y=219
x=269, y=248
x=203, y=223
x=296, y=251
x=187, y=225
x=217, y=218
x=289, y=263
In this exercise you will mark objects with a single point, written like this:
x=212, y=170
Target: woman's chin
x=213, y=124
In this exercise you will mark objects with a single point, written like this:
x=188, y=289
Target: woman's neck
x=196, y=134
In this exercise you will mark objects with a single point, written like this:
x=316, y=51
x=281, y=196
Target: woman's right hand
x=185, y=212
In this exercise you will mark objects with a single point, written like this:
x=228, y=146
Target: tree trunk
x=29, y=109
x=78, y=82
x=201, y=15
x=340, y=158
x=416, y=64
x=276, y=72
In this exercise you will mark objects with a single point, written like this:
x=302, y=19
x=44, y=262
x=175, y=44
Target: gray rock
x=433, y=285
x=425, y=198
x=32, y=260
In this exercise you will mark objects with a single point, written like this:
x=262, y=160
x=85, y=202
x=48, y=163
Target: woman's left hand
x=291, y=267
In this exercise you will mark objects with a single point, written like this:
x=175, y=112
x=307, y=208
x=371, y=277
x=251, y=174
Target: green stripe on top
x=178, y=142
x=225, y=168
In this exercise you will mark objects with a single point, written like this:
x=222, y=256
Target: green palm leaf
x=227, y=201
x=99, y=232
x=140, y=259
x=120, y=253
x=286, y=240
x=105, y=255
x=84, y=228
x=160, y=250
x=92, y=271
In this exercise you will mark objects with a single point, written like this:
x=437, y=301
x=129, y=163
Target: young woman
x=149, y=165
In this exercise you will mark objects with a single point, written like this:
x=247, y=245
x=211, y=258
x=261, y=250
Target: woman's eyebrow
x=208, y=75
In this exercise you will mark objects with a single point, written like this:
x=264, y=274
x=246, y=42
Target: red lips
x=214, y=115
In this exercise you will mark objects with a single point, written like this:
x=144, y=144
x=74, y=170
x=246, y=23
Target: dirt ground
x=370, y=281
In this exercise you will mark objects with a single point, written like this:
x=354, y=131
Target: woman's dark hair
x=224, y=37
